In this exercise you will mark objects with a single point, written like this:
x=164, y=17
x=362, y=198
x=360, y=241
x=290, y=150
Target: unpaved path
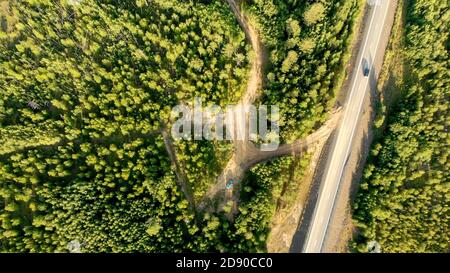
x=256, y=73
x=254, y=84
x=242, y=149
x=246, y=154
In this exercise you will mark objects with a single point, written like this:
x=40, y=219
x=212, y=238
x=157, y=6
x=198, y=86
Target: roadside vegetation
x=268, y=187
x=403, y=202
x=307, y=42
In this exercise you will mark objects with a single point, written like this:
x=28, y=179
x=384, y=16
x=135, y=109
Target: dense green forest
x=202, y=162
x=86, y=89
x=403, y=202
x=267, y=188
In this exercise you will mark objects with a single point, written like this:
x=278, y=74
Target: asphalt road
x=342, y=142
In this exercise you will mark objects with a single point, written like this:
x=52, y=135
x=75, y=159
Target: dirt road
x=246, y=154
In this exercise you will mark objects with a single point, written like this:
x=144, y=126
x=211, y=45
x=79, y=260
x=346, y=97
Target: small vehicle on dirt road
x=366, y=68
x=230, y=184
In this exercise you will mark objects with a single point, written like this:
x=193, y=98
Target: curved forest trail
x=246, y=154
x=256, y=73
x=242, y=148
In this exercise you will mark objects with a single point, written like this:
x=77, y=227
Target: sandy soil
x=234, y=169
x=246, y=154
x=285, y=221
x=249, y=155
x=256, y=73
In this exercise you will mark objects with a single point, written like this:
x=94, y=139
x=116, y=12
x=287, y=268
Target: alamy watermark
x=259, y=125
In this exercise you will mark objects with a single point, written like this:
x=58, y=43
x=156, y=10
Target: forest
x=403, y=201
x=86, y=92
x=308, y=44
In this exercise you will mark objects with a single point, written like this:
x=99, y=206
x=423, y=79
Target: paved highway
x=342, y=142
